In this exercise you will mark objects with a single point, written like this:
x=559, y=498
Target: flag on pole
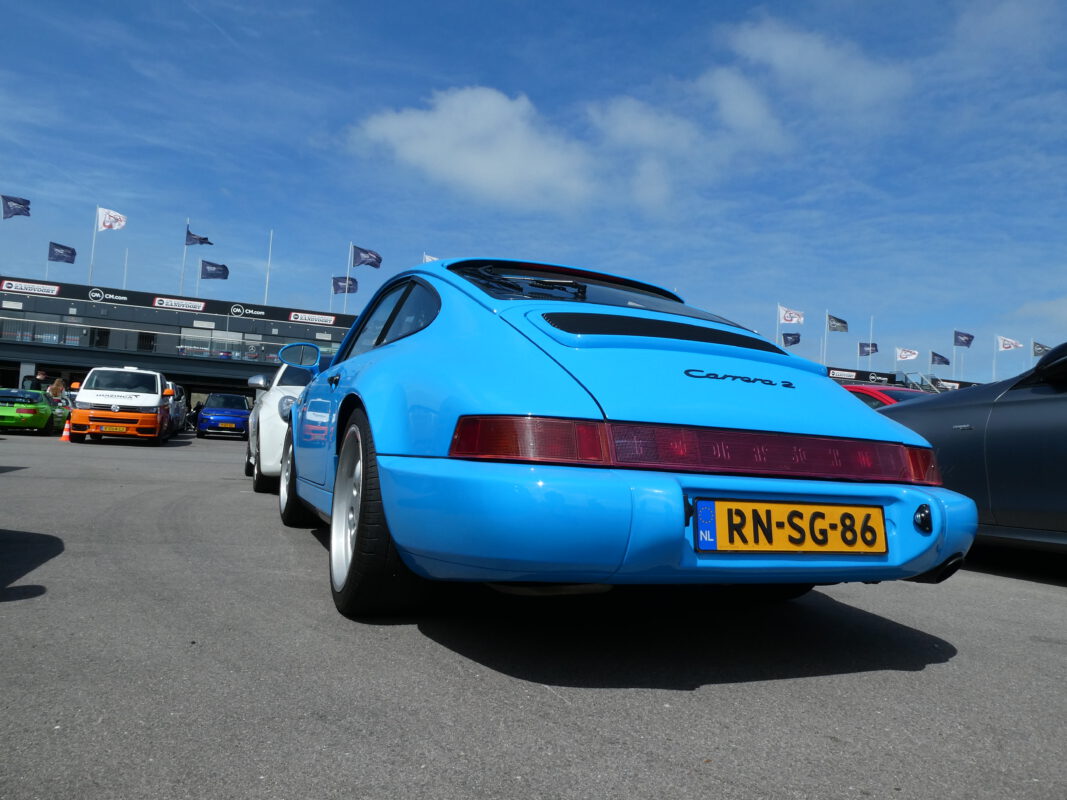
x=15, y=206
x=906, y=354
x=836, y=324
x=192, y=238
x=344, y=285
x=868, y=348
x=1040, y=349
x=790, y=316
x=1004, y=343
x=426, y=259
x=210, y=270
x=368, y=257
x=60, y=252
x=108, y=220
x=790, y=339
x=937, y=358
x=961, y=339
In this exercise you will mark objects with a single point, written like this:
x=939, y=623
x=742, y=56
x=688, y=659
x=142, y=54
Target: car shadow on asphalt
x=21, y=552
x=1010, y=561
x=674, y=638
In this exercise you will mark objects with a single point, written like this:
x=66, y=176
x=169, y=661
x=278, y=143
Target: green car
x=29, y=408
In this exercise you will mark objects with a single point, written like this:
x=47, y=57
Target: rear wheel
x=77, y=438
x=290, y=507
x=248, y=462
x=199, y=434
x=367, y=575
x=49, y=427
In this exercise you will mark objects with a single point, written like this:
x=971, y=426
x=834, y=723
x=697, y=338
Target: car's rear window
x=514, y=281
x=122, y=380
x=21, y=396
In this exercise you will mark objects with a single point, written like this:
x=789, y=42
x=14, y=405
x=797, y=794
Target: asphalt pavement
x=162, y=635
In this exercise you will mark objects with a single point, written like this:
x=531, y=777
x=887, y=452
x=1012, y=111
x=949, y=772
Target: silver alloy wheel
x=283, y=485
x=347, y=505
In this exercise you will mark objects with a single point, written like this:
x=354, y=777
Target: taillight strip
x=677, y=448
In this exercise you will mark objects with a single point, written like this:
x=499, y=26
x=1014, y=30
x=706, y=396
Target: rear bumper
x=463, y=520
x=118, y=423
x=231, y=425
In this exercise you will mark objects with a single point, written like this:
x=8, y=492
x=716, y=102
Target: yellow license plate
x=113, y=428
x=227, y=425
x=755, y=527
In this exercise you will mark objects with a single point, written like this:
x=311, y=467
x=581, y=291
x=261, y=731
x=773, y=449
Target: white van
x=122, y=401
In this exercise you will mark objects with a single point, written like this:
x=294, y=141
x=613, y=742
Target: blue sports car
x=554, y=427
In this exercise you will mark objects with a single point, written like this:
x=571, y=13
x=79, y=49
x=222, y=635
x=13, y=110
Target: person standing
x=57, y=388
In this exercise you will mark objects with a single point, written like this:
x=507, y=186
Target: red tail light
x=25, y=410
x=685, y=449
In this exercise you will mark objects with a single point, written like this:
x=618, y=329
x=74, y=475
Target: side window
x=373, y=323
x=417, y=311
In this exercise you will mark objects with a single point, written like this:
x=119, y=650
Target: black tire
x=291, y=508
x=199, y=434
x=96, y=437
x=367, y=575
x=77, y=438
x=248, y=462
x=260, y=482
x=49, y=427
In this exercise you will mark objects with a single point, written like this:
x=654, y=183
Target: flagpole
x=825, y=334
x=348, y=272
x=92, y=249
x=46, y=277
x=870, y=348
x=125, y=267
x=994, y=358
x=270, y=247
x=185, y=252
x=777, y=321
x=201, y=269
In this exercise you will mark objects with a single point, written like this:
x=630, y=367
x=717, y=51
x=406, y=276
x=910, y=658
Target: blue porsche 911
x=548, y=426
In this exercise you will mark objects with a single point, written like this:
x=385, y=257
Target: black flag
x=192, y=238
x=60, y=252
x=209, y=270
x=961, y=339
x=344, y=285
x=790, y=339
x=1040, y=349
x=868, y=348
x=836, y=324
x=15, y=206
x=368, y=257
x=937, y=358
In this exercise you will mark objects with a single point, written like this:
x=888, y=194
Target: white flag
x=906, y=354
x=426, y=259
x=790, y=316
x=1004, y=343
x=108, y=220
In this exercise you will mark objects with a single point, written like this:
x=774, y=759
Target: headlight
x=83, y=406
x=285, y=405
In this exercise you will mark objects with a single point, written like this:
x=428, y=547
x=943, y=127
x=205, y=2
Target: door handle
x=333, y=380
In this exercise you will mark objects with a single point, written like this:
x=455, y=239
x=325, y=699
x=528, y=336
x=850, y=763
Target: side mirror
x=75, y=385
x=168, y=393
x=301, y=354
x=259, y=382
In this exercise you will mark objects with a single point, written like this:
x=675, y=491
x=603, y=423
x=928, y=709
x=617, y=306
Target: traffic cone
x=66, y=431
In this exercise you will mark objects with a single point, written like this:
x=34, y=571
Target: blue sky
x=902, y=160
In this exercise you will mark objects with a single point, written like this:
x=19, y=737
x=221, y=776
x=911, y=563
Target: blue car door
x=316, y=435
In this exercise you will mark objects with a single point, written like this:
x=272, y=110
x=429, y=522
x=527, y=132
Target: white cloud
x=479, y=140
x=630, y=123
x=828, y=74
x=994, y=30
x=743, y=109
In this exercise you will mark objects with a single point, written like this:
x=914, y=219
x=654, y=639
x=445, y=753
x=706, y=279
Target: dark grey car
x=1004, y=444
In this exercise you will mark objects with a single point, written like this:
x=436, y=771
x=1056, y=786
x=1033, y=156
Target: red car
x=878, y=395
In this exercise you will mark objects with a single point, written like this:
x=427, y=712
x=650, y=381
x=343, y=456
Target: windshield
x=505, y=281
x=123, y=380
x=230, y=401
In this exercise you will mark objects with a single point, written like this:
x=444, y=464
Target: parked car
x=34, y=410
x=544, y=425
x=268, y=422
x=1005, y=445
x=178, y=408
x=877, y=395
x=223, y=414
x=122, y=401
